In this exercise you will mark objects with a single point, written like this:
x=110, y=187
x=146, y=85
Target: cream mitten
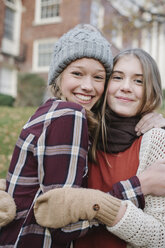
x=7, y=205
x=60, y=207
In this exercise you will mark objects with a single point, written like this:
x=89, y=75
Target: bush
x=163, y=94
x=163, y=103
x=6, y=100
x=31, y=90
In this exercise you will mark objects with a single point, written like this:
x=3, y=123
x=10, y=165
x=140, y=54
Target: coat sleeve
x=129, y=190
x=145, y=228
x=61, y=152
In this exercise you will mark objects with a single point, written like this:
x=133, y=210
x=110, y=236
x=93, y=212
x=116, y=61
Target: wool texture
x=120, y=130
x=60, y=207
x=145, y=228
x=80, y=42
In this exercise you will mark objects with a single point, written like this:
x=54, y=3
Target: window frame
x=12, y=46
x=12, y=81
x=42, y=21
x=36, y=43
x=7, y=23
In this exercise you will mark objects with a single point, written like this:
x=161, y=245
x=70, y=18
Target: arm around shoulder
x=149, y=223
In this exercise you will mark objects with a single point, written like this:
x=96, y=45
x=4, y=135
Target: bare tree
x=141, y=12
x=150, y=10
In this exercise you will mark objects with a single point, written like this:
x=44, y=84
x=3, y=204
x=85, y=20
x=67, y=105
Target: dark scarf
x=120, y=132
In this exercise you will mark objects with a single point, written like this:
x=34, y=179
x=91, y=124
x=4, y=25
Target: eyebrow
x=139, y=75
x=118, y=72
x=82, y=67
x=121, y=72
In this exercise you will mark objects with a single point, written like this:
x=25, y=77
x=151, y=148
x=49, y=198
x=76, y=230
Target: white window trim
x=12, y=46
x=35, y=67
x=12, y=90
x=10, y=5
x=39, y=21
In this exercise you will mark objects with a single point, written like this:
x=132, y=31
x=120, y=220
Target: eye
x=116, y=77
x=139, y=81
x=99, y=77
x=76, y=73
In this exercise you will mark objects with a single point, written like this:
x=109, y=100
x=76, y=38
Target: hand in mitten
x=60, y=207
x=7, y=205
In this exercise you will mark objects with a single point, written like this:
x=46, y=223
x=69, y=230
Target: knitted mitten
x=60, y=207
x=7, y=205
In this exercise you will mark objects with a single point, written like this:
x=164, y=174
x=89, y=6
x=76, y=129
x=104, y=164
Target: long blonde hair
x=152, y=92
x=93, y=115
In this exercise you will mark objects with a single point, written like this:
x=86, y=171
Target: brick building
x=29, y=29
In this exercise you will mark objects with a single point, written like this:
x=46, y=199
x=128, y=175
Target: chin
x=124, y=114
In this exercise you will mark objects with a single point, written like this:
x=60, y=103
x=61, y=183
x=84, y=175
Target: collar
x=120, y=132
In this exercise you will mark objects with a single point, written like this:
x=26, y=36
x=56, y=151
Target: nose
x=87, y=84
x=126, y=84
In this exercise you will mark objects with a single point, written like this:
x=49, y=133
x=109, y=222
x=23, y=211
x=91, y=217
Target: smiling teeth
x=84, y=98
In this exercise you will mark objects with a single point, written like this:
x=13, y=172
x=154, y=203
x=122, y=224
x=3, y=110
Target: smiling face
x=125, y=90
x=83, y=82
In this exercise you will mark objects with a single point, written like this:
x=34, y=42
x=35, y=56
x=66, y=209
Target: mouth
x=124, y=99
x=83, y=98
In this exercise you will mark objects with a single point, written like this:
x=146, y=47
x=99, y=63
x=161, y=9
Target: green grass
x=11, y=123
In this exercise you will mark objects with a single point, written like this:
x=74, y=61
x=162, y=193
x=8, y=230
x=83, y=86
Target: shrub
x=163, y=94
x=6, y=100
x=163, y=103
x=31, y=90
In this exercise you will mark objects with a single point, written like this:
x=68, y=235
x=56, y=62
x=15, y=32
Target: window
x=42, y=51
x=44, y=54
x=9, y=23
x=8, y=81
x=12, y=23
x=47, y=11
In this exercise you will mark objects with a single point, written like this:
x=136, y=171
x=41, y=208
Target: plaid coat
x=50, y=152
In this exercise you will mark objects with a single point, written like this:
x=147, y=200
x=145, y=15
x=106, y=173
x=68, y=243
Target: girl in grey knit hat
x=52, y=148
x=83, y=41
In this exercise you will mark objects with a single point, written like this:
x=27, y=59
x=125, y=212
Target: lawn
x=11, y=123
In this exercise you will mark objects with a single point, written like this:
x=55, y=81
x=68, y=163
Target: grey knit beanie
x=82, y=41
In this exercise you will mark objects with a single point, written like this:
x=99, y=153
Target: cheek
x=100, y=89
x=139, y=94
x=66, y=85
x=109, y=100
x=112, y=89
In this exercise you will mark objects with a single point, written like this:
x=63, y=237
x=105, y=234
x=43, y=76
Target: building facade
x=29, y=29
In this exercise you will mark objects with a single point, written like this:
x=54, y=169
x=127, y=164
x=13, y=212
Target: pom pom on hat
x=81, y=41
